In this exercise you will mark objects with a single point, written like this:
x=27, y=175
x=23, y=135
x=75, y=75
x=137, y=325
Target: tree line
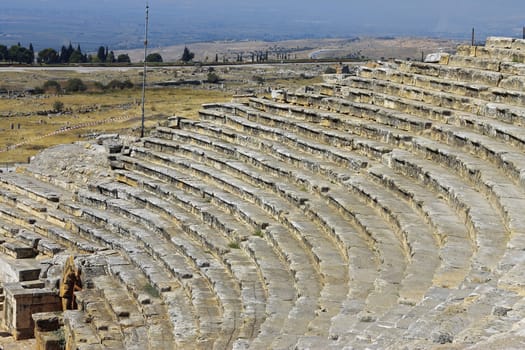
x=67, y=54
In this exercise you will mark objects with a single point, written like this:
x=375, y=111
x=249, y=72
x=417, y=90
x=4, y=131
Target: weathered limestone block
x=17, y=250
x=518, y=44
x=21, y=303
x=499, y=42
x=435, y=57
x=48, y=331
x=512, y=68
x=18, y=270
x=513, y=83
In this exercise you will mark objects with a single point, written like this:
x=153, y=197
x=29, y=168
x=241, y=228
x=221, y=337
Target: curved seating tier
x=380, y=210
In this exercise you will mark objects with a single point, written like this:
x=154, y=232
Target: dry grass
x=28, y=123
x=90, y=111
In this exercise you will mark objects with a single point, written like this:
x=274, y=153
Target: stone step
x=262, y=254
x=456, y=247
x=453, y=75
x=160, y=281
x=102, y=319
x=514, y=55
x=30, y=187
x=49, y=230
x=473, y=99
x=510, y=68
x=202, y=153
x=150, y=229
x=222, y=281
x=479, y=143
x=304, y=157
x=160, y=331
x=482, y=86
x=43, y=245
x=331, y=225
x=126, y=313
x=79, y=331
x=298, y=254
x=505, y=43
x=484, y=222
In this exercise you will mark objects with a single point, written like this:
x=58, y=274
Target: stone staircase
x=380, y=210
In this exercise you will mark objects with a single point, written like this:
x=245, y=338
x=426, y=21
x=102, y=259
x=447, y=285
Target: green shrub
x=51, y=86
x=58, y=106
x=119, y=85
x=212, y=78
x=75, y=85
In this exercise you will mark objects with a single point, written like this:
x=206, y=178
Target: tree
x=101, y=54
x=17, y=53
x=4, y=54
x=47, y=56
x=154, y=57
x=111, y=57
x=187, y=55
x=123, y=58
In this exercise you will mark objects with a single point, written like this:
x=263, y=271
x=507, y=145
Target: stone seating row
x=466, y=79
x=13, y=230
x=76, y=225
x=387, y=274
x=136, y=310
x=277, y=235
x=150, y=229
x=196, y=134
x=485, y=151
x=505, y=104
x=50, y=232
x=505, y=43
x=274, y=146
x=252, y=141
x=93, y=223
x=292, y=223
x=419, y=143
x=422, y=143
x=508, y=91
x=499, y=154
x=497, y=53
x=218, y=273
x=497, y=151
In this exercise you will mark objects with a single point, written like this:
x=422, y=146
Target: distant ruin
x=381, y=209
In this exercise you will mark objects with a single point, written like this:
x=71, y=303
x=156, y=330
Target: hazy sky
x=121, y=22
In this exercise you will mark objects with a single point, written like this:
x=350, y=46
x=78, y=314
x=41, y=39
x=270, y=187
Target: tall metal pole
x=473, y=36
x=145, y=69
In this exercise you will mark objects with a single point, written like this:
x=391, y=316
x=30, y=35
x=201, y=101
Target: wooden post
x=523, y=32
x=473, y=36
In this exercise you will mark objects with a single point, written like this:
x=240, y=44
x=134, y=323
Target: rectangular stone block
x=17, y=251
x=21, y=303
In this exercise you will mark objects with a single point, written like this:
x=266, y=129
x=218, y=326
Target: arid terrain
x=372, y=48
x=28, y=122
